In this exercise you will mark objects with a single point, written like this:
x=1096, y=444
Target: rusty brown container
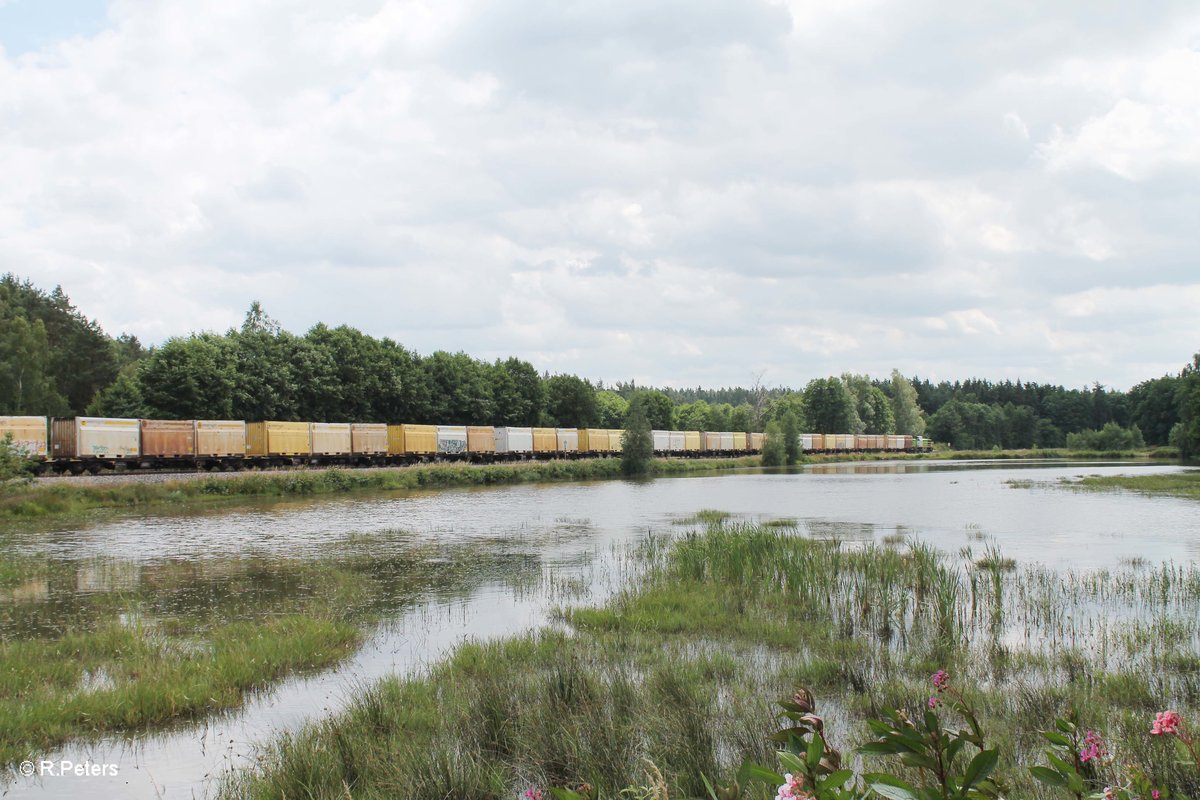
x=481, y=439
x=168, y=438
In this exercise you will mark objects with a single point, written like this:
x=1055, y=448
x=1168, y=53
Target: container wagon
x=369, y=442
x=94, y=443
x=220, y=443
x=567, y=441
x=277, y=443
x=30, y=436
x=452, y=441
x=514, y=443
x=594, y=441
x=481, y=442
x=168, y=442
x=545, y=442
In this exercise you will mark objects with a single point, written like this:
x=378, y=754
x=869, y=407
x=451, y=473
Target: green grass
x=676, y=676
x=1177, y=484
x=65, y=498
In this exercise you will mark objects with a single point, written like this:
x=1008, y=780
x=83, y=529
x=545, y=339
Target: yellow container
x=691, y=441
x=272, y=438
x=614, y=440
x=412, y=439
x=740, y=441
x=711, y=441
x=593, y=440
x=545, y=440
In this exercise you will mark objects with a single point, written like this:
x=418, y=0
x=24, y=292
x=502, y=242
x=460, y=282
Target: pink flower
x=1155, y=794
x=941, y=679
x=791, y=789
x=1166, y=723
x=533, y=794
x=1093, y=747
x=934, y=702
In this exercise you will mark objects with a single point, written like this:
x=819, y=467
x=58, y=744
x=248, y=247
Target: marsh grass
x=64, y=498
x=104, y=645
x=681, y=670
x=1176, y=484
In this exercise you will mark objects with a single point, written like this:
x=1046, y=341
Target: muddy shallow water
x=490, y=562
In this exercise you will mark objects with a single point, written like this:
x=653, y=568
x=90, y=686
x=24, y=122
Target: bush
x=637, y=445
x=774, y=453
x=1111, y=437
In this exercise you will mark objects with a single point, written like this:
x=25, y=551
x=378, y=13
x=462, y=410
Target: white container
x=662, y=441
x=96, y=437
x=514, y=440
x=676, y=441
x=726, y=440
x=330, y=438
x=452, y=439
x=568, y=440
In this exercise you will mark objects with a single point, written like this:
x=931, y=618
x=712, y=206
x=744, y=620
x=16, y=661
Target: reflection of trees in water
x=370, y=581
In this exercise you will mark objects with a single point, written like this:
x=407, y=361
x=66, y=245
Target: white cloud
x=669, y=192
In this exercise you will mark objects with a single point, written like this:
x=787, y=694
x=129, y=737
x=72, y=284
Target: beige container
x=712, y=441
x=692, y=441
x=614, y=440
x=740, y=441
x=331, y=438
x=756, y=442
x=593, y=440
x=481, y=439
x=545, y=440
x=275, y=438
x=220, y=438
x=369, y=438
x=168, y=438
x=30, y=435
x=95, y=437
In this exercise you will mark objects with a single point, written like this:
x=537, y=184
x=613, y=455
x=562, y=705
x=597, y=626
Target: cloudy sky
x=679, y=192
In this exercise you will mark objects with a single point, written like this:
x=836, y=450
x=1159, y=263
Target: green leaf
x=791, y=763
x=712, y=793
x=1063, y=766
x=980, y=767
x=1064, y=726
x=893, y=792
x=880, y=749
x=1048, y=776
x=836, y=780
x=816, y=749
x=1056, y=738
x=753, y=772
x=565, y=794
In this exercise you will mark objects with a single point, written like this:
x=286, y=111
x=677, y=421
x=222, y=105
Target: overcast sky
x=680, y=192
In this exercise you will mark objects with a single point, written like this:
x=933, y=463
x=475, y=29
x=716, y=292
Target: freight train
x=93, y=444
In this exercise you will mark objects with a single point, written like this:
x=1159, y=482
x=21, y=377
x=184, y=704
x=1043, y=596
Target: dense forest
x=56, y=361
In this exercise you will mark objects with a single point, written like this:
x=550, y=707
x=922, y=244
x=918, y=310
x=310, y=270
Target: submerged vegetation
x=671, y=685
x=103, y=644
x=1178, y=484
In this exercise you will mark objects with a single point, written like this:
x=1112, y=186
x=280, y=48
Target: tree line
x=56, y=361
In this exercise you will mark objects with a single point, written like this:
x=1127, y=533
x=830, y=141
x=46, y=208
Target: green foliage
x=790, y=424
x=774, y=453
x=829, y=407
x=570, y=401
x=871, y=404
x=637, y=445
x=1111, y=437
x=15, y=467
x=611, y=409
x=1188, y=436
x=655, y=407
x=59, y=357
x=905, y=409
x=1154, y=407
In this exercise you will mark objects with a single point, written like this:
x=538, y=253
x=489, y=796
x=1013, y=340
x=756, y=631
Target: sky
x=678, y=193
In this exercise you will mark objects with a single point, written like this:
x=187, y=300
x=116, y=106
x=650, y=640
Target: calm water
x=490, y=562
